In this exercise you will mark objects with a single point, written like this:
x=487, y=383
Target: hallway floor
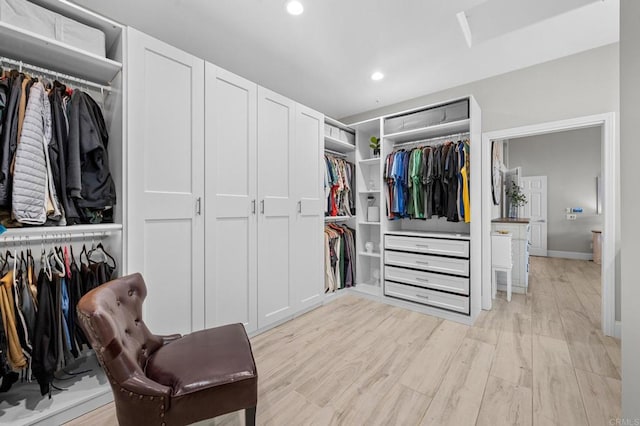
x=540, y=360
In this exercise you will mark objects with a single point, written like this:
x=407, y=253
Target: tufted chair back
x=111, y=317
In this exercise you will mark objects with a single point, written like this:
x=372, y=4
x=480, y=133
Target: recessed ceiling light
x=294, y=7
x=377, y=76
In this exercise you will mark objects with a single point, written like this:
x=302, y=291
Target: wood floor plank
x=505, y=403
x=400, y=406
x=556, y=395
x=601, y=397
x=512, y=361
x=586, y=348
x=426, y=372
x=546, y=320
x=459, y=397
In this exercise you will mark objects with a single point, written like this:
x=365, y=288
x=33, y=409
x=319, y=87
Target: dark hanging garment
x=58, y=152
x=45, y=340
x=89, y=180
x=452, y=178
x=9, y=139
x=75, y=286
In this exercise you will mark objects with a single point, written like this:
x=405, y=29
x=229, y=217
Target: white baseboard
x=617, y=331
x=570, y=255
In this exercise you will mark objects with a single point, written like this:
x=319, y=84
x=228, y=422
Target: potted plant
x=374, y=144
x=516, y=199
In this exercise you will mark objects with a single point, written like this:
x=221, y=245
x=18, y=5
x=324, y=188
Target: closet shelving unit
x=344, y=150
x=368, y=182
x=23, y=404
x=371, y=179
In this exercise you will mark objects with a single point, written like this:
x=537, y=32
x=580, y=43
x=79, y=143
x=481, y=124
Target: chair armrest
x=170, y=338
x=142, y=385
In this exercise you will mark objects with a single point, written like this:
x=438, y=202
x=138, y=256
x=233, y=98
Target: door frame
x=546, y=220
x=610, y=173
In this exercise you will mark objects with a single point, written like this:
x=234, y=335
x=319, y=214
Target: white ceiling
x=324, y=57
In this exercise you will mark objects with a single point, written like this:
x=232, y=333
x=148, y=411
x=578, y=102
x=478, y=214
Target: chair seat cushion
x=204, y=359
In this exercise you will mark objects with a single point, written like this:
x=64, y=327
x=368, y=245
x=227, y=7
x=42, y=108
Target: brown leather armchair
x=166, y=380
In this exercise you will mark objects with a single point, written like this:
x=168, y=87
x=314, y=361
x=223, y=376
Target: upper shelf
x=337, y=145
x=338, y=124
x=27, y=46
x=430, y=132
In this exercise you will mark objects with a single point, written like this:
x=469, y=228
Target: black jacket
x=45, y=341
x=9, y=138
x=58, y=152
x=89, y=180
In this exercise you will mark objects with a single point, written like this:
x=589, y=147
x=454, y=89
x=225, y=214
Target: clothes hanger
x=106, y=256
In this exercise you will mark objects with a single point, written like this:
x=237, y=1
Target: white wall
x=571, y=161
x=630, y=203
x=574, y=86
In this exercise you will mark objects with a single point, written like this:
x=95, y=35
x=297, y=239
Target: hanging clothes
x=72, y=168
x=339, y=186
x=428, y=181
x=38, y=333
x=340, y=257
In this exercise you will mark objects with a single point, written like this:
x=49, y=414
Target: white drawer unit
x=427, y=280
x=432, y=271
x=437, y=246
x=446, y=265
x=438, y=299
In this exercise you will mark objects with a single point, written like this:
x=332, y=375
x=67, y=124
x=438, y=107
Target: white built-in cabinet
x=165, y=127
x=225, y=187
x=230, y=199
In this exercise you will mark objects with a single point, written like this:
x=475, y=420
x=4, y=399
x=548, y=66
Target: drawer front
x=457, y=248
x=427, y=263
x=427, y=280
x=427, y=297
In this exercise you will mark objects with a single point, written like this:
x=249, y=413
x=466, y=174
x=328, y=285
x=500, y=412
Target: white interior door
x=535, y=188
x=165, y=181
x=230, y=214
x=307, y=272
x=276, y=126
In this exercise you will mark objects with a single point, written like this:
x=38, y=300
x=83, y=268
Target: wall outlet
x=572, y=216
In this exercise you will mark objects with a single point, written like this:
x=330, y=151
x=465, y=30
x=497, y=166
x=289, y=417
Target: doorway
x=605, y=122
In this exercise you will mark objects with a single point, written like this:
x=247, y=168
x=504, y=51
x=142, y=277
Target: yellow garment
x=16, y=358
x=465, y=195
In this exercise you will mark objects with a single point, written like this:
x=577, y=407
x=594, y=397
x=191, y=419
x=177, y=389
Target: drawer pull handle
x=422, y=262
x=422, y=245
x=422, y=279
x=422, y=296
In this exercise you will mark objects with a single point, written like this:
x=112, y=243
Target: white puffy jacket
x=32, y=196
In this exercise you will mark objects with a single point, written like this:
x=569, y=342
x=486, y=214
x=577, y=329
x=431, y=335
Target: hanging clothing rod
x=22, y=240
x=337, y=218
x=336, y=153
x=57, y=75
x=424, y=141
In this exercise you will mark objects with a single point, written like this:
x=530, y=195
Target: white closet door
x=307, y=270
x=231, y=238
x=165, y=181
x=276, y=121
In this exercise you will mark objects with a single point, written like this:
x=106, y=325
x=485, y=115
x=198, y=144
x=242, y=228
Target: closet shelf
x=338, y=145
x=370, y=161
x=369, y=223
x=429, y=132
x=338, y=218
x=74, y=231
x=24, y=45
x=366, y=253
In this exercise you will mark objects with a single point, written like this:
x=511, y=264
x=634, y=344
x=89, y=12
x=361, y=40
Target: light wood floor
x=539, y=360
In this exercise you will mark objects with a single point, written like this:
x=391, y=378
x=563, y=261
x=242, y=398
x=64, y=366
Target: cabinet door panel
x=307, y=235
x=275, y=135
x=164, y=181
x=230, y=152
